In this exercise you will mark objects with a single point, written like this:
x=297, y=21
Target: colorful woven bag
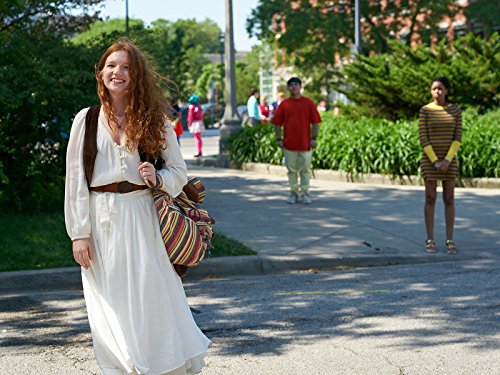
x=186, y=229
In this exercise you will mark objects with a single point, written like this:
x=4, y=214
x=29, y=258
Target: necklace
x=120, y=120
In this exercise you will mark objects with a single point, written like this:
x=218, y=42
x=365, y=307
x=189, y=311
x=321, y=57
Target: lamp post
x=231, y=122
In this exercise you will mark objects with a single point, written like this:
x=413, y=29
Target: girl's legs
x=449, y=206
x=430, y=202
x=198, y=142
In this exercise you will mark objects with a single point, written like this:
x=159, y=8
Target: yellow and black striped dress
x=440, y=133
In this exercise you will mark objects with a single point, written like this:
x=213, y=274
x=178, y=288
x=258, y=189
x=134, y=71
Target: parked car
x=184, y=116
x=212, y=113
x=243, y=112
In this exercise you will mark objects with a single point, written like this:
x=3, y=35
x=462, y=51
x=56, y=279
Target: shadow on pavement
x=408, y=307
x=44, y=319
x=345, y=219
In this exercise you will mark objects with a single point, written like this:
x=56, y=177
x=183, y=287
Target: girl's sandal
x=430, y=246
x=451, y=247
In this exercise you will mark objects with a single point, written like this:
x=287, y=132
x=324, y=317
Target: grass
x=226, y=246
x=40, y=241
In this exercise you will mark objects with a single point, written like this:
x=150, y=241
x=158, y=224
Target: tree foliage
x=319, y=29
x=397, y=84
x=46, y=77
x=176, y=48
x=246, y=72
x=486, y=13
x=58, y=16
x=316, y=34
x=43, y=81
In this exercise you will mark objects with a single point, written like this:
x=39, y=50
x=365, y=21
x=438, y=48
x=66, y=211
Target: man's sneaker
x=293, y=198
x=306, y=198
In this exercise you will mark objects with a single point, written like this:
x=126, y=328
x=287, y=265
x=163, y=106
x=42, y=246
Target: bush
x=370, y=145
x=367, y=145
x=255, y=144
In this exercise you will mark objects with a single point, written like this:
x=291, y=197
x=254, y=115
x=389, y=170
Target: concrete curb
x=70, y=277
x=46, y=279
x=329, y=175
x=369, y=178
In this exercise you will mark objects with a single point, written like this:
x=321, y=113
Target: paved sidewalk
x=347, y=224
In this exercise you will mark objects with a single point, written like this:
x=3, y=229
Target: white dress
x=138, y=312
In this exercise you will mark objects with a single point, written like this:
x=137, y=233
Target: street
x=439, y=318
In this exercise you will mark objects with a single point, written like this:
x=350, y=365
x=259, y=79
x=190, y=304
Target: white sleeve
x=76, y=198
x=174, y=174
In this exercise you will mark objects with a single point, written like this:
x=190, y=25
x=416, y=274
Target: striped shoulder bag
x=186, y=228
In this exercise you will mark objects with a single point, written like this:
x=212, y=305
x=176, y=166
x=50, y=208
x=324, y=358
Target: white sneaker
x=293, y=198
x=306, y=198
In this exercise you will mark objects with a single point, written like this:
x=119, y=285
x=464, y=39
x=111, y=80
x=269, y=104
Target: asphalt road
x=441, y=318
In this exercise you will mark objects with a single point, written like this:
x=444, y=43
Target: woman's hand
x=437, y=164
x=83, y=252
x=148, y=173
x=445, y=164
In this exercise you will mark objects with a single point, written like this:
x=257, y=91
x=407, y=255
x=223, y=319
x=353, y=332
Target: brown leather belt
x=118, y=187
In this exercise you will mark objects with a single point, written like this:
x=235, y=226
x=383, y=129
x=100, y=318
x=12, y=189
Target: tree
x=247, y=75
x=486, y=13
x=212, y=76
x=175, y=48
x=396, y=84
x=58, y=16
x=325, y=27
x=43, y=82
x=315, y=35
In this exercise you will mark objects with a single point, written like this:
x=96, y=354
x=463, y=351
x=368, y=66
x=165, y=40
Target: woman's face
x=438, y=91
x=115, y=73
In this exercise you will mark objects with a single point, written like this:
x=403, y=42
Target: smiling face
x=115, y=73
x=439, y=91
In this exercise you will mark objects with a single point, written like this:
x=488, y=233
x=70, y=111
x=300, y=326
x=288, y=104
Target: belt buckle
x=124, y=187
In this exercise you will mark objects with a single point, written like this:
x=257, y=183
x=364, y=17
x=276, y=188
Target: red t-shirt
x=297, y=115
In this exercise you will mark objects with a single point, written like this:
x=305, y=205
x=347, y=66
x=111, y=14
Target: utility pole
x=231, y=122
x=357, y=28
x=126, y=17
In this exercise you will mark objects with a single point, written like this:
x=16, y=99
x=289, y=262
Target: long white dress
x=138, y=312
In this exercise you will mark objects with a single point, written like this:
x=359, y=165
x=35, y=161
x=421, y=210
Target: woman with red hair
x=138, y=313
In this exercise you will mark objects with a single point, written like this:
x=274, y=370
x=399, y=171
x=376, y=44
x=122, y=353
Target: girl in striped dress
x=440, y=133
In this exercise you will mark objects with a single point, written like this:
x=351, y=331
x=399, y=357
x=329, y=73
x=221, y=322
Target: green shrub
x=479, y=155
x=255, y=144
x=360, y=145
x=367, y=145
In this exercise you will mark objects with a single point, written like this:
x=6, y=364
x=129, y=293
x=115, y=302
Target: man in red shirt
x=297, y=113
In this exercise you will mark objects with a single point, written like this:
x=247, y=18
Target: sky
x=151, y=10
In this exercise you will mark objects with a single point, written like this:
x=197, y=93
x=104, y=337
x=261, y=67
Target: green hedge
x=371, y=145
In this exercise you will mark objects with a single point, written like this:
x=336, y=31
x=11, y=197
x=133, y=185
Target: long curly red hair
x=147, y=108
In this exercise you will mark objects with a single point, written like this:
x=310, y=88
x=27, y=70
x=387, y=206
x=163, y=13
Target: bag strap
x=90, y=145
x=90, y=142
x=158, y=162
